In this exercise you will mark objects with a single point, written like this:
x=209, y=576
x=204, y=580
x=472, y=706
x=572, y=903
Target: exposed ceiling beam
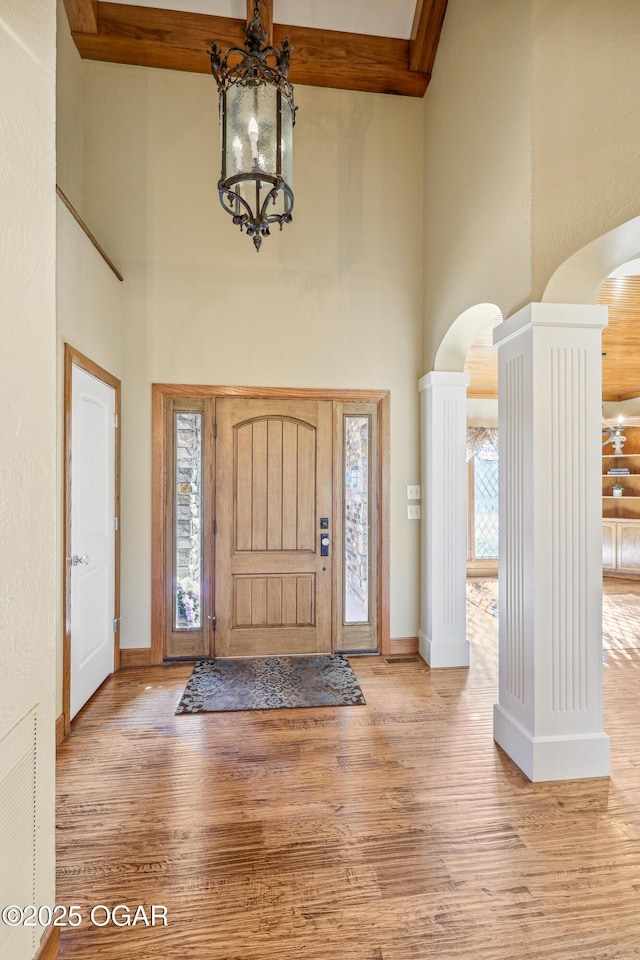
x=266, y=15
x=425, y=34
x=82, y=15
x=149, y=37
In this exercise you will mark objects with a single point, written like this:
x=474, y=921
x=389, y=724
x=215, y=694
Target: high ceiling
x=620, y=344
x=379, y=46
x=380, y=18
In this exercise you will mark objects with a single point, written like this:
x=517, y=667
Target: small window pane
x=356, y=519
x=486, y=509
x=188, y=520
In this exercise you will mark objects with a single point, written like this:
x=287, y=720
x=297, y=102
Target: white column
x=443, y=633
x=549, y=715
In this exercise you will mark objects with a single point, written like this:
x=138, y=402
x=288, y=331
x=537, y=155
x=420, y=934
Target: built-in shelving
x=621, y=515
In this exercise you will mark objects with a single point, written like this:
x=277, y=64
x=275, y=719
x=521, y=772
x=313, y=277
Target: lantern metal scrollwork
x=257, y=116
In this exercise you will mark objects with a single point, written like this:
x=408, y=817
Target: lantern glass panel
x=286, y=142
x=251, y=129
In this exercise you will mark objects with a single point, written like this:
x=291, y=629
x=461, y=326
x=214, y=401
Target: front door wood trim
x=73, y=358
x=162, y=392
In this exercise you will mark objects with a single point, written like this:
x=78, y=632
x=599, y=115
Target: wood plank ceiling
x=620, y=344
x=621, y=338
x=178, y=40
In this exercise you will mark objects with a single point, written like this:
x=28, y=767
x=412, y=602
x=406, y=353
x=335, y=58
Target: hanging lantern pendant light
x=257, y=116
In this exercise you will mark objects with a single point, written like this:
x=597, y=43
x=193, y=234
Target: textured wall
x=477, y=165
x=27, y=395
x=69, y=112
x=532, y=148
x=89, y=300
x=89, y=297
x=335, y=300
x=586, y=126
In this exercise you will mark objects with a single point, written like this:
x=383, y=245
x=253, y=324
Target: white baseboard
x=443, y=653
x=551, y=758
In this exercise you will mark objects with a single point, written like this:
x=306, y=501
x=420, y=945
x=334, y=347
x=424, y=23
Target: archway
x=465, y=329
x=443, y=639
x=579, y=278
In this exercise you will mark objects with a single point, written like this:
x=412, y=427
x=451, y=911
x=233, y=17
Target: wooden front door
x=273, y=494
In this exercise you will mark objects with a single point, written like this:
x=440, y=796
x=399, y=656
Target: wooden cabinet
x=628, y=546
x=609, y=544
x=621, y=548
x=621, y=515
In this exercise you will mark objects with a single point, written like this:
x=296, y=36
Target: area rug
x=270, y=683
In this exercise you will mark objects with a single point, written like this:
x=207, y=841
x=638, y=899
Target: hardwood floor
x=395, y=831
x=614, y=585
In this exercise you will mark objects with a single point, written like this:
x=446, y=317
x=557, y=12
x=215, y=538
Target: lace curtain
x=482, y=442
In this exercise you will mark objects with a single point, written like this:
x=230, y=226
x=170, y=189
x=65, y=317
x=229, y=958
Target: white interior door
x=92, y=534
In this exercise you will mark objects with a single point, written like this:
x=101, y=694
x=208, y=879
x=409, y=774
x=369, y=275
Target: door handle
x=76, y=560
x=324, y=545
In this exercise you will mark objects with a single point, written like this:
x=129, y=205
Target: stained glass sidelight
x=486, y=509
x=357, y=434
x=188, y=520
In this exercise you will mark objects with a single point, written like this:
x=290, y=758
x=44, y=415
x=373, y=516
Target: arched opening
x=580, y=277
x=607, y=271
x=473, y=325
x=467, y=348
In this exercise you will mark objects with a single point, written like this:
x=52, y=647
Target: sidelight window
x=356, y=561
x=482, y=456
x=188, y=520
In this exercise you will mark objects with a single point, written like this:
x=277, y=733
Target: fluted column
x=549, y=712
x=443, y=633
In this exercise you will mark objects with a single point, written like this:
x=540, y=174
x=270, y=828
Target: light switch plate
x=413, y=492
x=413, y=511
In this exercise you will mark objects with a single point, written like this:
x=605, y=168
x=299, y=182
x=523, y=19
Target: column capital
x=574, y=315
x=443, y=378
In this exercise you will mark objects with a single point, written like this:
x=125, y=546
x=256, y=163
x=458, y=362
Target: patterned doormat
x=270, y=683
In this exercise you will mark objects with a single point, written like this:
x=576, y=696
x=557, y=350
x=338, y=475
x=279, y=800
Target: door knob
x=76, y=560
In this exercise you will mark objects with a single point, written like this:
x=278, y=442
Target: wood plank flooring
x=395, y=831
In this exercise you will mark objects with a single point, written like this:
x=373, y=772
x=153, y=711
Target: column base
x=551, y=758
x=443, y=653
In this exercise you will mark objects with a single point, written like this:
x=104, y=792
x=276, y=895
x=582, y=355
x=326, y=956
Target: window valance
x=482, y=442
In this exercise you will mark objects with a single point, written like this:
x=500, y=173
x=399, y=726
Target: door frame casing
x=161, y=393
x=73, y=358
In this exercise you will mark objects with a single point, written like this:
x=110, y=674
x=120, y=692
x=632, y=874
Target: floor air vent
x=393, y=660
x=18, y=834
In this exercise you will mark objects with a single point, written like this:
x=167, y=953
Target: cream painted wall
x=586, y=126
x=482, y=412
x=89, y=302
x=477, y=165
x=89, y=297
x=338, y=293
x=532, y=147
x=27, y=399
x=69, y=112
